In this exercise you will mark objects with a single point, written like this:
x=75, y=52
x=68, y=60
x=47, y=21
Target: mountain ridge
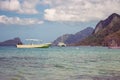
x=104, y=31
x=71, y=39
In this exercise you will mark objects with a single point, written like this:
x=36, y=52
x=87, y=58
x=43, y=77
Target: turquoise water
x=56, y=63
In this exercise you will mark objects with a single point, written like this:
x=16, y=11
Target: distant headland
x=105, y=32
x=11, y=42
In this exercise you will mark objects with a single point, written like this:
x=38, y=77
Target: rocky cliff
x=105, y=32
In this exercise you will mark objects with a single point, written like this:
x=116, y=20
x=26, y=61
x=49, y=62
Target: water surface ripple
x=60, y=63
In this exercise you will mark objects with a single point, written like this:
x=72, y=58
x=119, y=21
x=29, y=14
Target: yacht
x=61, y=44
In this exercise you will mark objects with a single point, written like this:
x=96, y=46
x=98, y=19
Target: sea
x=60, y=63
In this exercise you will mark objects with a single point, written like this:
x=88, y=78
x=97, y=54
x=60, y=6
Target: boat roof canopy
x=33, y=40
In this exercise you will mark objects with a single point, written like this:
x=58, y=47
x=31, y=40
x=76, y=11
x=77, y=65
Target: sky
x=48, y=19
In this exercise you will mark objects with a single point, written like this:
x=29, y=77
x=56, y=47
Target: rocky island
x=11, y=42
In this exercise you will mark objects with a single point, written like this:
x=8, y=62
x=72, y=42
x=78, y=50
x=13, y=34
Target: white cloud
x=20, y=21
x=29, y=7
x=12, y=5
x=80, y=10
x=65, y=10
x=24, y=7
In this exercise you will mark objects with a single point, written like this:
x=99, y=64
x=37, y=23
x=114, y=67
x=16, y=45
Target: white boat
x=45, y=45
x=61, y=44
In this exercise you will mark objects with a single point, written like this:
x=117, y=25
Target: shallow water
x=60, y=63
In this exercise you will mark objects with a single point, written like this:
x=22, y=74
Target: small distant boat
x=45, y=45
x=114, y=45
x=61, y=44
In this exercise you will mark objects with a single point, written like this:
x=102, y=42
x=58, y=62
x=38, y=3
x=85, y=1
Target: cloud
x=20, y=21
x=80, y=10
x=64, y=10
x=19, y=6
x=29, y=7
x=11, y=5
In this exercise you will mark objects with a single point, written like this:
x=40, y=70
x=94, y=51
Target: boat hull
x=61, y=44
x=34, y=46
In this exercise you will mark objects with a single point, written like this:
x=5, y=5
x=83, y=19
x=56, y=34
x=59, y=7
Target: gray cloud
x=65, y=10
x=23, y=7
x=20, y=21
x=80, y=10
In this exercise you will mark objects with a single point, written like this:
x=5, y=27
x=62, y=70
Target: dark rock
x=11, y=42
x=104, y=23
